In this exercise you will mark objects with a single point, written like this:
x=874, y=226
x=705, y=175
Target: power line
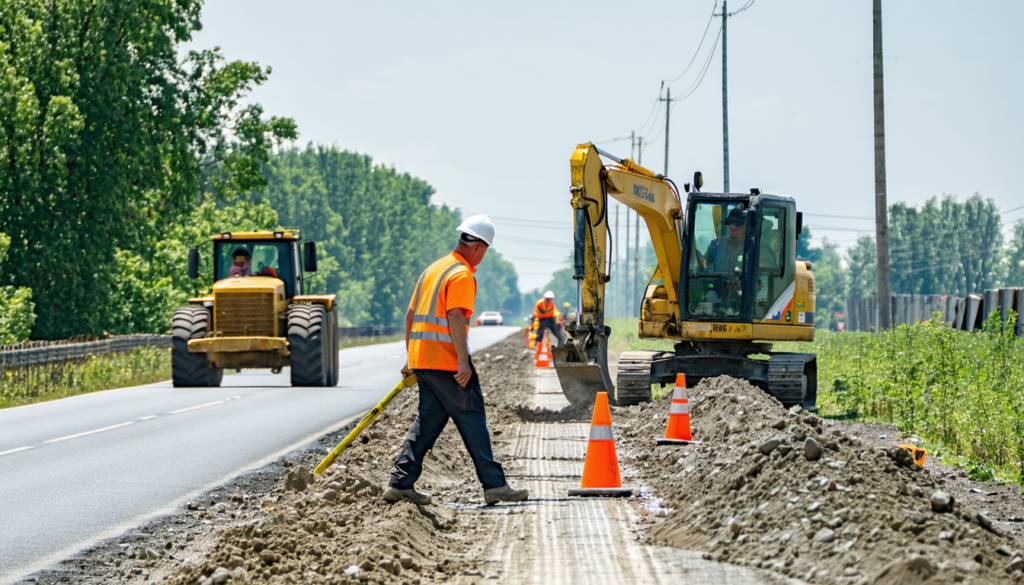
x=745, y=6
x=837, y=216
x=695, y=53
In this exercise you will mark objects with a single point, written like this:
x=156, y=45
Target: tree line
x=117, y=154
x=377, y=230
x=945, y=246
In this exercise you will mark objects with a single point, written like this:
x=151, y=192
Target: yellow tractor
x=256, y=316
x=727, y=281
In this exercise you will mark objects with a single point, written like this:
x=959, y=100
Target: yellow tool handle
x=367, y=421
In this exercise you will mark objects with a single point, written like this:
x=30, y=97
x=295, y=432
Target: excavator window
x=775, y=270
x=716, y=264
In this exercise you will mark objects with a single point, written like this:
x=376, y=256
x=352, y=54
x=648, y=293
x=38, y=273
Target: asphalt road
x=83, y=469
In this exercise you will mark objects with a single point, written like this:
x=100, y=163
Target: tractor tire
x=191, y=369
x=333, y=370
x=309, y=344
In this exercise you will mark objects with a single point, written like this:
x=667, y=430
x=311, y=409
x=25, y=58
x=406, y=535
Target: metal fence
x=31, y=353
x=370, y=331
x=963, y=313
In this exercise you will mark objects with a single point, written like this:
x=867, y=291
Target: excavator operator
x=726, y=252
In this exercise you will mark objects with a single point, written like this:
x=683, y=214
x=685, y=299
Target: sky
x=487, y=100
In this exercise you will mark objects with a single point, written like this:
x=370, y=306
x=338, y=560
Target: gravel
x=839, y=511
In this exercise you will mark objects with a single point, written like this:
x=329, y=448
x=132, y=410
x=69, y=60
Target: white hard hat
x=478, y=226
x=549, y=295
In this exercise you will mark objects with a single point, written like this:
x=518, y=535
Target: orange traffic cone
x=678, y=430
x=601, y=468
x=531, y=341
x=543, y=357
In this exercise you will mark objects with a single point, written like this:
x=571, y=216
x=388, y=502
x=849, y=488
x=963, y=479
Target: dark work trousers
x=441, y=398
x=556, y=331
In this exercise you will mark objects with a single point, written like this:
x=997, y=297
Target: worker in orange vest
x=544, y=312
x=436, y=326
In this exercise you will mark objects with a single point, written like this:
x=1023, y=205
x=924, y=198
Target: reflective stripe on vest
x=430, y=336
x=432, y=349
x=601, y=433
x=541, y=312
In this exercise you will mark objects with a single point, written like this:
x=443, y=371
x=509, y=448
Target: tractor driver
x=241, y=261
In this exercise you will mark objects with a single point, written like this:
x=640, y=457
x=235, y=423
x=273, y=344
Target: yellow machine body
x=716, y=316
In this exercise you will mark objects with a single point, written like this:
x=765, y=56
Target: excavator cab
x=737, y=262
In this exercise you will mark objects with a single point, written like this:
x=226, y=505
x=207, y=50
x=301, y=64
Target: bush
x=963, y=390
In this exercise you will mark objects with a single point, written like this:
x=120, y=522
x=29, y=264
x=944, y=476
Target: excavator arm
x=582, y=363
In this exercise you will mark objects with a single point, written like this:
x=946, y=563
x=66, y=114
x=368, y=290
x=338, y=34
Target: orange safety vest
x=544, y=312
x=430, y=341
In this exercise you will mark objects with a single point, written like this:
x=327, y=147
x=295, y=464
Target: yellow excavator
x=726, y=284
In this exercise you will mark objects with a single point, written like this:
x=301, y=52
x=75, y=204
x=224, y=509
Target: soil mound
x=335, y=528
x=775, y=489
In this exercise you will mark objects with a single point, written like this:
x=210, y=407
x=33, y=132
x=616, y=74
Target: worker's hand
x=464, y=373
x=406, y=371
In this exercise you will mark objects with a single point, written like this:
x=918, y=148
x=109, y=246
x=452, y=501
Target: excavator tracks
x=793, y=379
x=633, y=382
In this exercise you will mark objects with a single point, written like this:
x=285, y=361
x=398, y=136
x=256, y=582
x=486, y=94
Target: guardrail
x=33, y=353
x=963, y=313
x=370, y=331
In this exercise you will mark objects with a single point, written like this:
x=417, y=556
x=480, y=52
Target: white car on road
x=490, y=318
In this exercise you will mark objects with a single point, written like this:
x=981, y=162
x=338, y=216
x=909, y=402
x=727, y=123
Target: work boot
x=504, y=494
x=393, y=494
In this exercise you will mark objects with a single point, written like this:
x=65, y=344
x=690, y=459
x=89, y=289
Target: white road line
x=16, y=450
x=90, y=432
x=152, y=416
x=195, y=407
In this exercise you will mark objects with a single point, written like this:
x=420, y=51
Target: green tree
x=862, y=261
x=16, y=306
x=377, y=229
x=105, y=135
x=1015, y=256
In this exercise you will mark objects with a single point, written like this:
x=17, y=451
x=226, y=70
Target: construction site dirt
x=769, y=495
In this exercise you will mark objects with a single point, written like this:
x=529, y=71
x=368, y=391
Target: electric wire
x=697, y=52
x=745, y=6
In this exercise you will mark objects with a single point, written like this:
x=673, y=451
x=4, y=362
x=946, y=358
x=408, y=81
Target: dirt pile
x=776, y=489
x=337, y=529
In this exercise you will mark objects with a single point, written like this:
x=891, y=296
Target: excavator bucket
x=582, y=380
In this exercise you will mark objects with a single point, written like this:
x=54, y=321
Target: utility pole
x=668, y=110
x=881, y=205
x=725, y=94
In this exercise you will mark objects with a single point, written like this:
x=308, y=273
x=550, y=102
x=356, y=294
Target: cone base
x=677, y=442
x=621, y=492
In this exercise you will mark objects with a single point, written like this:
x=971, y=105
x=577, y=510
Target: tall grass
x=964, y=391
x=42, y=382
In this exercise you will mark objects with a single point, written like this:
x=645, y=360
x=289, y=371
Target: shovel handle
x=367, y=421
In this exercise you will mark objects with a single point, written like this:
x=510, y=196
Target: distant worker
x=544, y=313
x=436, y=326
x=241, y=262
